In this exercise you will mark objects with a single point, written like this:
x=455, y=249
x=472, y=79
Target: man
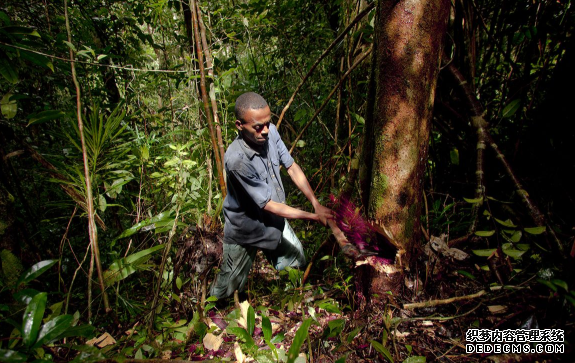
x=254, y=209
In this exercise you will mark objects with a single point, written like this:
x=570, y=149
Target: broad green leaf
x=484, y=233
x=560, y=283
x=535, y=230
x=12, y=356
x=383, y=350
x=547, y=283
x=415, y=359
x=147, y=222
x=511, y=108
x=335, y=327
x=251, y=321
x=45, y=116
x=7, y=71
x=278, y=338
x=484, y=253
x=35, y=271
x=514, y=236
x=242, y=334
x=351, y=336
x=474, y=200
x=506, y=223
x=124, y=267
x=513, y=253
x=329, y=307
x=102, y=204
x=33, y=318
x=70, y=45
x=8, y=106
x=53, y=329
x=267, y=329
x=523, y=246
x=299, y=338
x=24, y=296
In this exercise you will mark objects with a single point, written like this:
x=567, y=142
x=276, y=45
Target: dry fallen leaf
x=240, y=358
x=212, y=342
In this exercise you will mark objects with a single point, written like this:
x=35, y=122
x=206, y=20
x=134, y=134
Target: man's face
x=256, y=126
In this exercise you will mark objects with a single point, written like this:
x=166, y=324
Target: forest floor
x=458, y=296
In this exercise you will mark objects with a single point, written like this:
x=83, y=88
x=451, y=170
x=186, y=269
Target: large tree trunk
x=408, y=46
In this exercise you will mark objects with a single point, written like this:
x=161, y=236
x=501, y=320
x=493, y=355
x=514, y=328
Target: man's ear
x=239, y=125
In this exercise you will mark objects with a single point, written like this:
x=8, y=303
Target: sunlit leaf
x=124, y=267
x=35, y=271
x=299, y=338
x=383, y=350
x=267, y=328
x=33, y=318
x=242, y=334
x=53, y=329
x=251, y=321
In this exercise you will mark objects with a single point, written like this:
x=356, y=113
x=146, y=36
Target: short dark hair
x=247, y=101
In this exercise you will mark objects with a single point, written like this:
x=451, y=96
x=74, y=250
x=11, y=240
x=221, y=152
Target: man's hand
x=323, y=213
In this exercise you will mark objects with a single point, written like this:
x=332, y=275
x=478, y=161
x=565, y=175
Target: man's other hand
x=324, y=214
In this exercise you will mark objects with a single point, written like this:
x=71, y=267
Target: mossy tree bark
x=406, y=62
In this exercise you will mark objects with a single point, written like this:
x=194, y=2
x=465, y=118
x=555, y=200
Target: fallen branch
x=443, y=301
x=323, y=55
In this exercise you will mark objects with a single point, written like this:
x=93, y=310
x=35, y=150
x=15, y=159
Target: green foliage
x=37, y=329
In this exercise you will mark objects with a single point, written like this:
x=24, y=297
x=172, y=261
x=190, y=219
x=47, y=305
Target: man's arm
x=288, y=212
x=300, y=180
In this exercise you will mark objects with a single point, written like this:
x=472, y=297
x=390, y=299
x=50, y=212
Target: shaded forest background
x=156, y=102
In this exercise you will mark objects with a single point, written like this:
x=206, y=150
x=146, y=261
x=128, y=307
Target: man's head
x=253, y=117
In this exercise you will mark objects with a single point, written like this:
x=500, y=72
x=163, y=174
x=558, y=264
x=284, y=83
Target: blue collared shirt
x=253, y=179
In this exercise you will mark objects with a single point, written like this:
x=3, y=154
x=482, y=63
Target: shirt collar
x=247, y=149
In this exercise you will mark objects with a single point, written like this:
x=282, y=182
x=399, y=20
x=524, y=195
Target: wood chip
x=102, y=341
x=497, y=309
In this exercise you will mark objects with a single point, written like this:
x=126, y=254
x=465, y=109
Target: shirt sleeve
x=251, y=183
x=285, y=158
